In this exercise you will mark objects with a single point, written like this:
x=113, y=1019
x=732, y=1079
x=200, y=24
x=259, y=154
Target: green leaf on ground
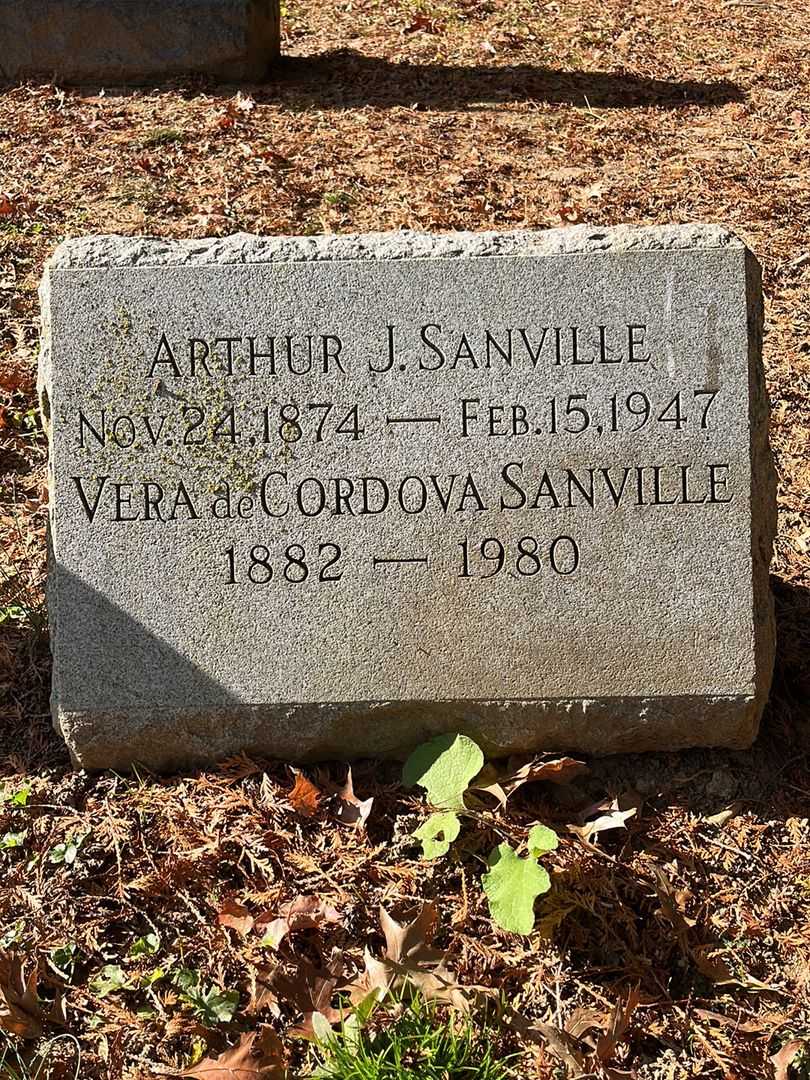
x=444, y=767
x=149, y=978
x=110, y=978
x=12, y=840
x=542, y=840
x=438, y=833
x=19, y=797
x=63, y=959
x=511, y=886
x=66, y=854
x=210, y=1004
x=147, y=945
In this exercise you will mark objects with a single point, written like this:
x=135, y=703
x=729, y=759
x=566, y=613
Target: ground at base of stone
x=433, y=116
x=689, y=920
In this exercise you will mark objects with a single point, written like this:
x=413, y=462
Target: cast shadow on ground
x=345, y=79
x=770, y=776
x=790, y=694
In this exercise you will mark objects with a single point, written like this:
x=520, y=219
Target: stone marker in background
x=326, y=496
x=137, y=41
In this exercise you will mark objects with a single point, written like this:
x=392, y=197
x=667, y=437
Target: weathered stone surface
x=137, y=41
x=589, y=512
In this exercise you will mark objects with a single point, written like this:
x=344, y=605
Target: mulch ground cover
x=134, y=911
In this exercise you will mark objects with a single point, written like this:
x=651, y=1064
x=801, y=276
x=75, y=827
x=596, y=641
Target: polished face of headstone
x=324, y=496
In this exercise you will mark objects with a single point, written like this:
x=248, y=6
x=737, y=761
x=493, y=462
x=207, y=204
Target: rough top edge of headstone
x=138, y=251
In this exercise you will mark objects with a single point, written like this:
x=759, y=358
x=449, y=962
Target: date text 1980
x=324, y=562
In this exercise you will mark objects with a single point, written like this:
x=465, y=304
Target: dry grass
x=459, y=114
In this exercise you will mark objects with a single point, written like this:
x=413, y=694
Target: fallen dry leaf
x=262, y=994
x=304, y=797
x=725, y=815
x=258, y=1054
x=609, y=815
x=671, y=907
x=303, y=913
x=350, y=809
x=564, y=1046
x=489, y=781
x=408, y=943
x=20, y=1010
x=309, y=989
x=503, y=783
x=425, y=24
x=236, y=916
x=710, y=964
x=618, y=1023
x=785, y=1057
x=12, y=379
x=558, y=771
x=410, y=959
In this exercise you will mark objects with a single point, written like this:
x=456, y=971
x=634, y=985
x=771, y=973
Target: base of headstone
x=171, y=739
x=118, y=42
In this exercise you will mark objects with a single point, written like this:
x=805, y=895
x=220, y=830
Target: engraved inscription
x=178, y=417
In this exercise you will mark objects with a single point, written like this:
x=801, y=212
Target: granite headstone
x=326, y=496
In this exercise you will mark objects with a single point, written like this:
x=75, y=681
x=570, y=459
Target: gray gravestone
x=326, y=496
x=137, y=41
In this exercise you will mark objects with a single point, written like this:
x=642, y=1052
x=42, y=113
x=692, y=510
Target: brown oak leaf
x=410, y=959
x=21, y=1012
x=302, y=913
x=257, y=1056
x=350, y=809
x=503, y=783
x=310, y=989
x=409, y=943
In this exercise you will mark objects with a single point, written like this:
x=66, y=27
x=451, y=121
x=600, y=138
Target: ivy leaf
x=438, y=833
x=63, y=960
x=149, y=978
x=218, y=1005
x=542, y=840
x=444, y=767
x=511, y=886
x=15, y=798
